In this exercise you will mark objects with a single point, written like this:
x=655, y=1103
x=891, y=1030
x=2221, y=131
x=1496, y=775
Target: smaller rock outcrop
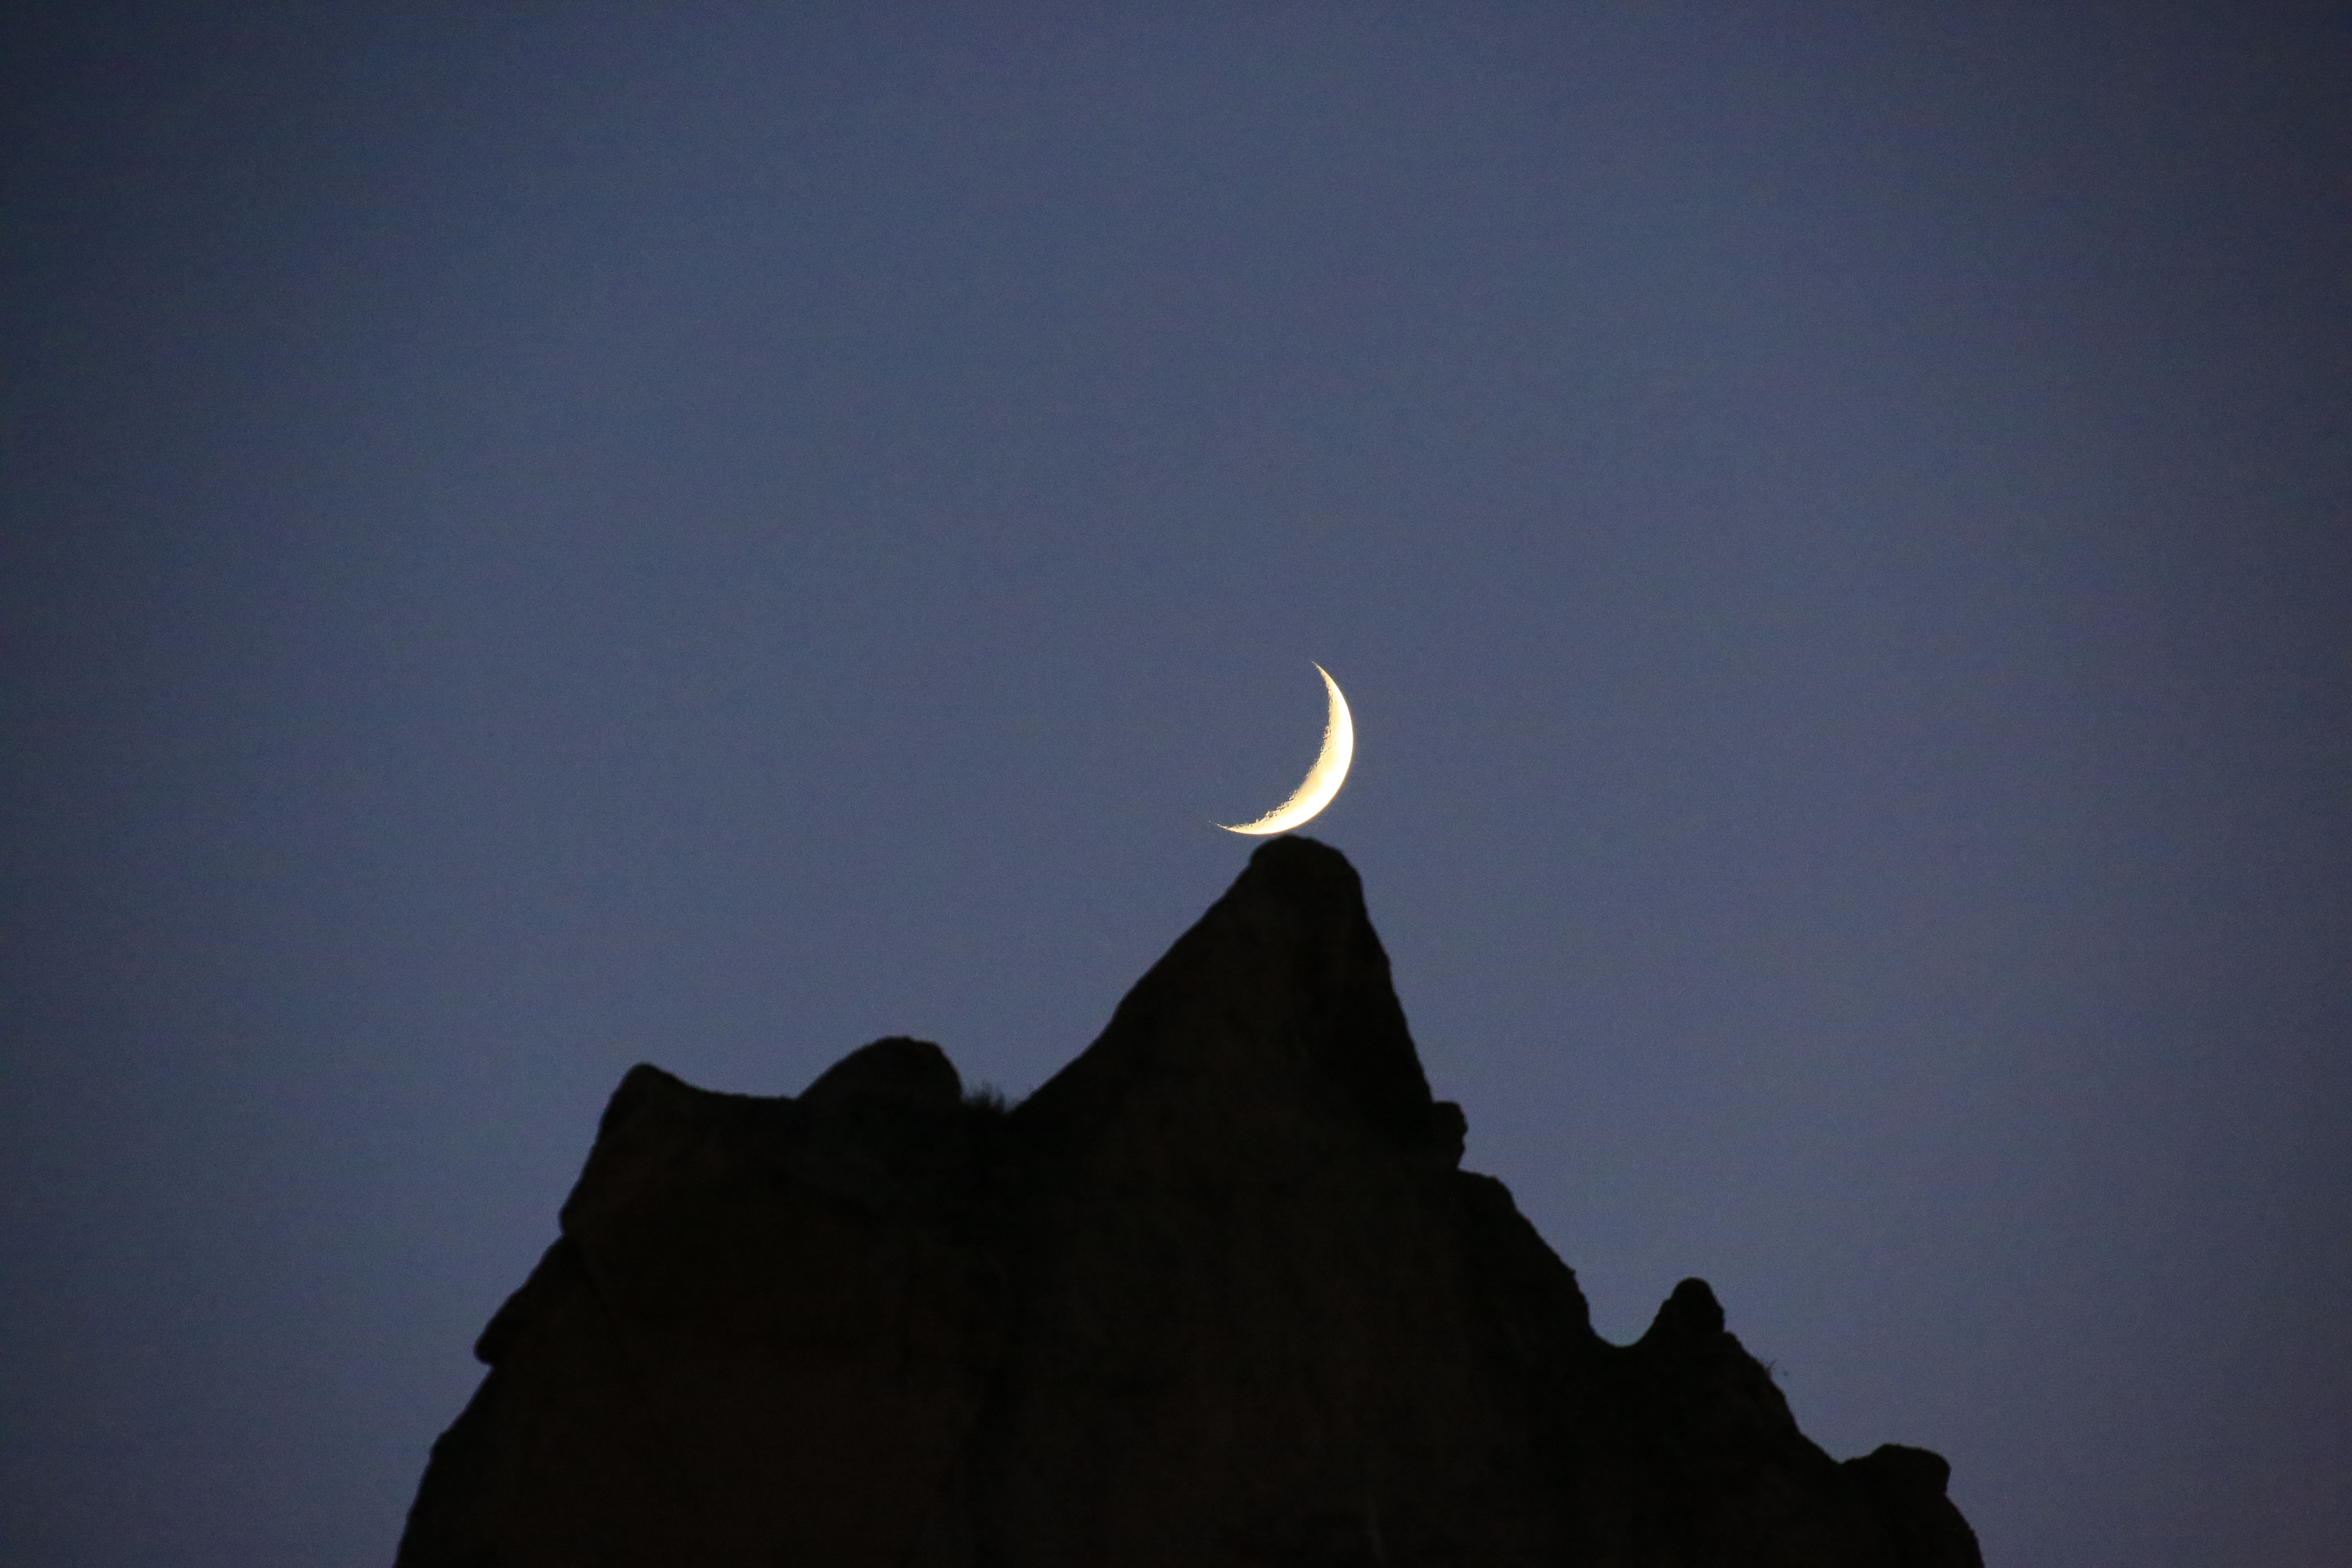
x=1216, y=1294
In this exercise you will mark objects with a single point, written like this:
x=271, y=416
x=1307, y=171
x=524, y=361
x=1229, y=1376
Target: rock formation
x=1216, y=1294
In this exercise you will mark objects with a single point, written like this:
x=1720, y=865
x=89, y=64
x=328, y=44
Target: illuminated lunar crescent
x=1323, y=780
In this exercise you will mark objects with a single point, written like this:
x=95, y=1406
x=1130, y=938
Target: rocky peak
x=1216, y=1293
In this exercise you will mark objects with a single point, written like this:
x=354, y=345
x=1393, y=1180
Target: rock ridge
x=1217, y=1293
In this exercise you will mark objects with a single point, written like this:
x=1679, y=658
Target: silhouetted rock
x=1216, y=1294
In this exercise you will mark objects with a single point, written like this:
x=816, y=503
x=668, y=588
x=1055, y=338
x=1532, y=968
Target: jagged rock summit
x=1216, y=1294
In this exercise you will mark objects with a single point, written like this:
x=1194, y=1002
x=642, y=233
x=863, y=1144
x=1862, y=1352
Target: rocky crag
x=1216, y=1294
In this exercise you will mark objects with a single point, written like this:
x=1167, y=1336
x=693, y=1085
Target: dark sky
x=540, y=537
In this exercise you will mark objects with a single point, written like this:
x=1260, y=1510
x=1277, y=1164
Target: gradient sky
x=538, y=537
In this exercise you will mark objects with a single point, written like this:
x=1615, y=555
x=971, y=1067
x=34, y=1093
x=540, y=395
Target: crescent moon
x=1323, y=780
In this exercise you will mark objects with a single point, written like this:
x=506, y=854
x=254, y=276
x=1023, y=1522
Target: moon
x=1323, y=780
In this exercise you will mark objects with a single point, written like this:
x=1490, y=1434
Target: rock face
x=1216, y=1294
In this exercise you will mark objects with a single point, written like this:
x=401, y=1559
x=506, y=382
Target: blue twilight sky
x=543, y=536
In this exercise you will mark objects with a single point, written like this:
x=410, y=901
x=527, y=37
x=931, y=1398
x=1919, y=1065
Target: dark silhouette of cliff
x=1216, y=1294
